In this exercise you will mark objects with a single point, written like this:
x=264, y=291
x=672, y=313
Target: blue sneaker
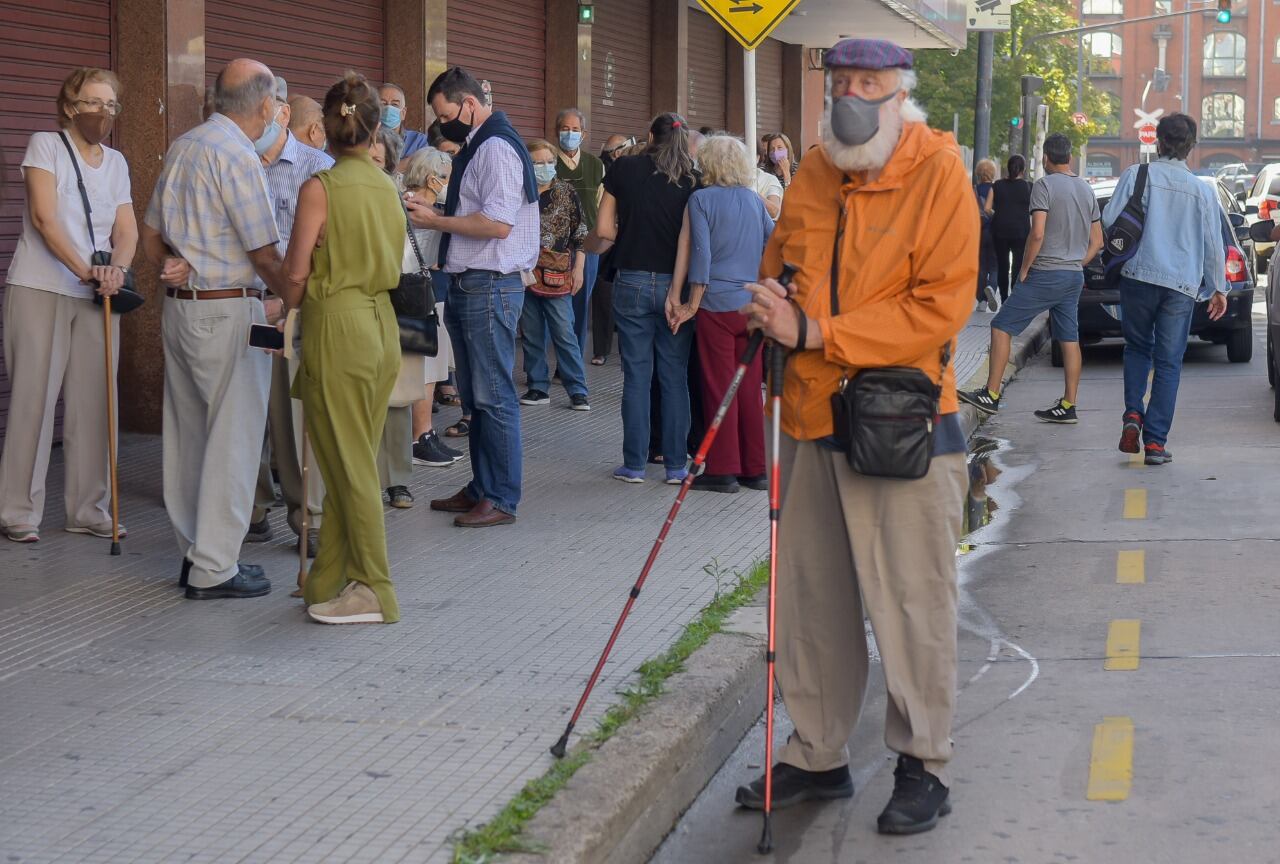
x=675, y=476
x=628, y=475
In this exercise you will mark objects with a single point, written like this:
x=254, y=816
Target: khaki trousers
x=849, y=544
x=283, y=444
x=395, y=455
x=54, y=343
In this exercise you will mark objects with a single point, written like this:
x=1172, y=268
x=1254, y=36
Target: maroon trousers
x=739, y=447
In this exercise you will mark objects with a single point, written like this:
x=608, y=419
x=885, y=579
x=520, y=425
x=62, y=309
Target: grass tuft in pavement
x=502, y=833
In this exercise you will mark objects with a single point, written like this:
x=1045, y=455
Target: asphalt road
x=1171, y=571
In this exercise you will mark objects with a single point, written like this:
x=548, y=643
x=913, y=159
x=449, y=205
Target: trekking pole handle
x=757, y=336
x=777, y=355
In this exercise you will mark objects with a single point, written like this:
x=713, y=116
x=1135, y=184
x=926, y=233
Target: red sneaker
x=1157, y=455
x=1131, y=432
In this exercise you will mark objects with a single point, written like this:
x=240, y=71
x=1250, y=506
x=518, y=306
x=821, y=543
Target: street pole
x=1084, y=148
x=749, y=98
x=982, y=106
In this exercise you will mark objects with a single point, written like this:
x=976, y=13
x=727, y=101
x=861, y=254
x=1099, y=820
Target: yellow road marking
x=1131, y=567
x=1137, y=460
x=1111, y=763
x=1122, y=645
x=1135, y=503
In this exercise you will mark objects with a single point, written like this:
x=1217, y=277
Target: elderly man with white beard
x=881, y=225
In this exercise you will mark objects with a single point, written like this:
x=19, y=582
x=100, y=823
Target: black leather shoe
x=791, y=785
x=313, y=543
x=758, y=482
x=259, y=532
x=241, y=586
x=919, y=799
x=186, y=571
x=715, y=483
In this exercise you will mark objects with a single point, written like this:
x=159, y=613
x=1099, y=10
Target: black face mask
x=456, y=130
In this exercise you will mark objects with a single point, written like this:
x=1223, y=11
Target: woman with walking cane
x=55, y=337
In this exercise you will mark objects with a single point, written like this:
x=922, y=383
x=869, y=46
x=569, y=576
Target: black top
x=1013, y=209
x=650, y=213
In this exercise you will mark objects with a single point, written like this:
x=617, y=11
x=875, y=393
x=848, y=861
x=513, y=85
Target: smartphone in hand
x=266, y=336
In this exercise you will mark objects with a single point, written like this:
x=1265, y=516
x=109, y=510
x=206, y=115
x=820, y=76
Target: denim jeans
x=1157, y=322
x=481, y=316
x=554, y=315
x=645, y=342
x=582, y=302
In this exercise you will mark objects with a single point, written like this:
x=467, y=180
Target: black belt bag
x=884, y=417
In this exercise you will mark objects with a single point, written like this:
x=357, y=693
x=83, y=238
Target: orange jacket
x=908, y=269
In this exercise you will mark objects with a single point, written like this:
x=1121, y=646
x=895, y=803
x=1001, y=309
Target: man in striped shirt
x=288, y=164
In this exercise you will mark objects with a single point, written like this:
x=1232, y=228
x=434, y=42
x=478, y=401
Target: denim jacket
x=1181, y=245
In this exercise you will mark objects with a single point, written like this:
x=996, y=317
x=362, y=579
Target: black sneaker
x=919, y=798
x=579, y=402
x=259, y=532
x=245, y=584
x=758, y=482
x=1157, y=455
x=716, y=483
x=791, y=785
x=535, y=397
x=1057, y=413
x=313, y=543
x=399, y=497
x=981, y=399
x=428, y=450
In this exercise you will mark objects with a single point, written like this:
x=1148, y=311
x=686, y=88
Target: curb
x=620, y=806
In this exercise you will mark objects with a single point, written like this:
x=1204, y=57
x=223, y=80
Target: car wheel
x=1275, y=410
x=1240, y=345
x=1271, y=362
x=1055, y=354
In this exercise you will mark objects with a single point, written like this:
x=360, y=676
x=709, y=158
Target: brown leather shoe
x=459, y=503
x=483, y=515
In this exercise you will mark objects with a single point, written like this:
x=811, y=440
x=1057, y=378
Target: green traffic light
x=1224, y=17
x=1015, y=122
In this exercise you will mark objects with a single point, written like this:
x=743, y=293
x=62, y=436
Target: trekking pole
x=111, y=426
x=306, y=514
x=777, y=367
x=695, y=468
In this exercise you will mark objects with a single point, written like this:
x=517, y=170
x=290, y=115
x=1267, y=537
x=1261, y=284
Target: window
x=1164, y=7
x=1102, y=53
x=1222, y=116
x=1224, y=55
x=1275, y=110
x=1110, y=122
x=1278, y=47
x=1102, y=7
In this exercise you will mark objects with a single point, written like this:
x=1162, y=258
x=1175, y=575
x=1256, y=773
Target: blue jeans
x=1157, y=322
x=582, y=302
x=645, y=342
x=554, y=315
x=481, y=316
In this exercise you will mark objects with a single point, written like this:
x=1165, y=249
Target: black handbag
x=127, y=298
x=415, y=303
x=884, y=417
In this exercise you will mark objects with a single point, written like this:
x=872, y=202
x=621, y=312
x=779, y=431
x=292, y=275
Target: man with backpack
x=1178, y=262
x=1065, y=233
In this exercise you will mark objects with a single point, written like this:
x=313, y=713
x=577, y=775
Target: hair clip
x=347, y=109
x=676, y=124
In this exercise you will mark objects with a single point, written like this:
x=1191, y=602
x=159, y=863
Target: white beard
x=873, y=155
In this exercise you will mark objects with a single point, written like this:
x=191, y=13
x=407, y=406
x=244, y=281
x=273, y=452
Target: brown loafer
x=459, y=503
x=483, y=515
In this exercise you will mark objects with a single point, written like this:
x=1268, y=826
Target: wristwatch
x=123, y=269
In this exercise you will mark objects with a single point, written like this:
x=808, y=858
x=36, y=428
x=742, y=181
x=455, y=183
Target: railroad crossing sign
x=749, y=21
x=1147, y=134
x=1147, y=118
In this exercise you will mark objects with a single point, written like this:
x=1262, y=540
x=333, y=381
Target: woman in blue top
x=725, y=230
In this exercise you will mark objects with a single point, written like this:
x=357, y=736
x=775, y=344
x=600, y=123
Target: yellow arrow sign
x=749, y=21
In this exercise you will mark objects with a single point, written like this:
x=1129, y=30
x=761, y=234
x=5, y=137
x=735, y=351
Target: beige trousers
x=40, y=330
x=395, y=455
x=849, y=544
x=283, y=444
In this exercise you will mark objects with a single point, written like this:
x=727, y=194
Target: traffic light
x=586, y=13
x=1015, y=122
x=1224, y=11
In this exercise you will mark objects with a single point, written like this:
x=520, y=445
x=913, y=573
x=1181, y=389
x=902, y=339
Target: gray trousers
x=40, y=328
x=283, y=444
x=395, y=456
x=215, y=411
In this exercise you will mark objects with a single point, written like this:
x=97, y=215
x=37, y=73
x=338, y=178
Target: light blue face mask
x=544, y=172
x=392, y=116
x=268, y=140
x=570, y=141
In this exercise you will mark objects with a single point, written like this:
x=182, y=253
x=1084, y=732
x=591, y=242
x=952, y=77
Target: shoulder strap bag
x=414, y=301
x=1122, y=239
x=884, y=416
x=127, y=298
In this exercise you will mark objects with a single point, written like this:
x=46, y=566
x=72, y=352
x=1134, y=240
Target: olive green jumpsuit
x=350, y=359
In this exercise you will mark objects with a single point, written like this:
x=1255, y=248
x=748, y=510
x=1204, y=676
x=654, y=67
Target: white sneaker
x=103, y=531
x=993, y=299
x=357, y=604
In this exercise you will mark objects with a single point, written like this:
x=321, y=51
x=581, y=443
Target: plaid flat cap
x=867, y=54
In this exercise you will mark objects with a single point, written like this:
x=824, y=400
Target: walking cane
x=111, y=426
x=777, y=366
x=753, y=346
x=306, y=516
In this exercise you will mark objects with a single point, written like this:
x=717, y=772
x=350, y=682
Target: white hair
x=874, y=154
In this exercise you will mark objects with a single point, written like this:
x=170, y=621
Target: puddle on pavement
x=980, y=507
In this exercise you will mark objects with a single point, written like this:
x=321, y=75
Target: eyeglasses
x=97, y=106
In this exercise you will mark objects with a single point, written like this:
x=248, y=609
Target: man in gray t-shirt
x=1066, y=232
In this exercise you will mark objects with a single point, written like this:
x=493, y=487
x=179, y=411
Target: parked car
x=1259, y=202
x=1238, y=176
x=1261, y=231
x=1100, y=305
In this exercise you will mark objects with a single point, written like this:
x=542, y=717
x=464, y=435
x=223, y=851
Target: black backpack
x=1120, y=241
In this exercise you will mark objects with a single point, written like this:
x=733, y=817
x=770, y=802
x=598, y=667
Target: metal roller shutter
x=505, y=44
x=39, y=46
x=309, y=44
x=769, y=87
x=620, y=70
x=707, y=62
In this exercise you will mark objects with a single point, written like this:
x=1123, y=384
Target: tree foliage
x=948, y=85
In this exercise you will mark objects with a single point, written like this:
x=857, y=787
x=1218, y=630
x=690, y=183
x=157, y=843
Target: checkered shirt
x=493, y=184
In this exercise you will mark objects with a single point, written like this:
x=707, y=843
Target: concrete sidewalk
x=138, y=726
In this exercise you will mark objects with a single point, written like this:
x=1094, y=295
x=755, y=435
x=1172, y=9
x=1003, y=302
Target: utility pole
x=982, y=107
x=1031, y=85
